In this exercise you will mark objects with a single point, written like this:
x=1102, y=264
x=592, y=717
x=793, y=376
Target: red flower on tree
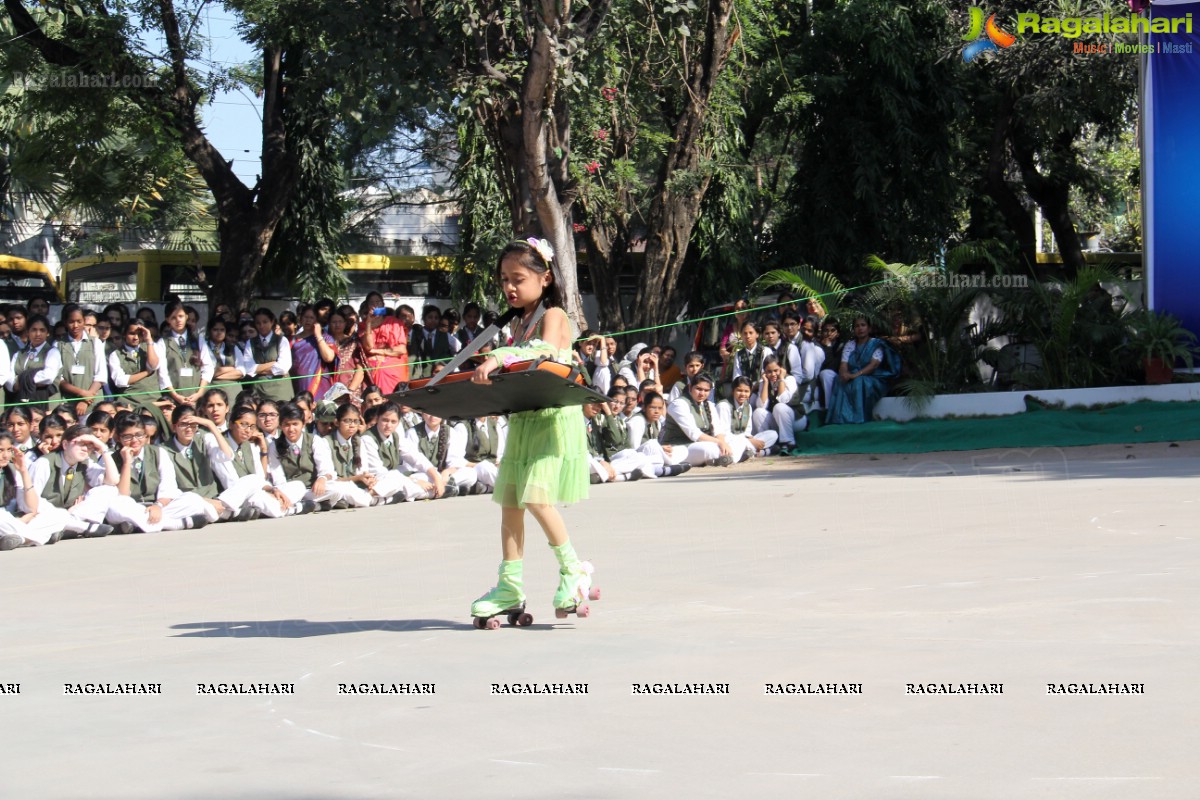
x=579, y=227
x=592, y=166
x=608, y=93
x=600, y=133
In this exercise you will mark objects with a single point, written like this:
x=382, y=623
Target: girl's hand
x=485, y=369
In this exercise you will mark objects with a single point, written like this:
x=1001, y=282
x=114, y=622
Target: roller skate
x=505, y=599
x=574, y=584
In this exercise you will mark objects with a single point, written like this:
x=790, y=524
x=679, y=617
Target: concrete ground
x=1021, y=568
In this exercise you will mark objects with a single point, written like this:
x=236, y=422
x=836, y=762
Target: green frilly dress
x=546, y=454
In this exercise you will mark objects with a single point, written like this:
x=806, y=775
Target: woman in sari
x=313, y=356
x=867, y=366
x=349, y=355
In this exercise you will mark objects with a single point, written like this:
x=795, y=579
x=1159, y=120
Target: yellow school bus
x=147, y=276
x=22, y=280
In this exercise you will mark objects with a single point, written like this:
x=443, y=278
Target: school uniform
x=243, y=475
x=485, y=447
x=644, y=437
x=777, y=415
x=81, y=363
x=446, y=448
x=226, y=354
x=608, y=440
x=392, y=461
x=33, y=376
x=430, y=347
x=277, y=385
x=177, y=370
x=196, y=471
x=295, y=468
x=60, y=485
x=749, y=362
x=347, y=461
x=126, y=361
x=152, y=481
x=685, y=422
x=740, y=422
x=38, y=530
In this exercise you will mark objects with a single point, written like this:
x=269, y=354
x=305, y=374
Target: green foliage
x=1155, y=335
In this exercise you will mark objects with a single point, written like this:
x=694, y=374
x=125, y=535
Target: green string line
x=411, y=364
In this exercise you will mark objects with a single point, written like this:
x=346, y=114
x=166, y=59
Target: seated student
x=773, y=412
x=246, y=472
x=693, y=365
x=101, y=423
x=19, y=422
x=867, y=366
x=268, y=419
x=345, y=448
x=400, y=471
x=325, y=418
x=302, y=466
x=486, y=437
x=20, y=528
x=50, y=433
x=644, y=430
x=72, y=492
x=445, y=446
x=737, y=415
x=585, y=351
x=608, y=445
x=214, y=406
x=149, y=499
x=196, y=448
x=787, y=352
x=693, y=422
x=372, y=396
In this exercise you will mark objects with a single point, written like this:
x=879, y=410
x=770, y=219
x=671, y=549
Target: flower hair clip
x=543, y=247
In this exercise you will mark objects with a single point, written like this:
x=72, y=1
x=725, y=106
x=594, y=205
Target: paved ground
x=1020, y=568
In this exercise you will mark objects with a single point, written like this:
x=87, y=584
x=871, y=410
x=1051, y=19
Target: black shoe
x=11, y=541
x=55, y=537
x=339, y=505
x=96, y=529
x=123, y=527
x=636, y=475
x=725, y=461
x=248, y=514
x=307, y=507
x=195, y=522
x=451, y=490
x=478, y=488
x=594, y=478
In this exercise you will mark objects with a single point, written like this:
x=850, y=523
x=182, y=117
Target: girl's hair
x=102, y=418
x=247, y=397
x=216, y=320
x=750, y=324
x=527, y=256
x=119, y=308
x=289, y=412
x=372, y=415
x=5, y=436
x=695, y=355
x=241, y=411
x=33, y=319
x=51, y=421
x=210, y=394
x=172, y=307
x=181, y=411
x=772, y=323
x=742, y=380
x=391, y=406
x=703, y=377
x=265, y=312
x=769, y=360
x=649, y=398
x=20, y=411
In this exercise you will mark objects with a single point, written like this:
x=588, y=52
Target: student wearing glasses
x=75, y=485
x=246, y=471
x=149, y=498
x=223, y=352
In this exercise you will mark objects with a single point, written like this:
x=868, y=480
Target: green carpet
x=1126, y=424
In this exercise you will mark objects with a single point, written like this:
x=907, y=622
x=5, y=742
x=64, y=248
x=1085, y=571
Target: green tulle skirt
x=545, y=459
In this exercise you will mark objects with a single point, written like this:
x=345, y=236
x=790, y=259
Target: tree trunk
x=1054, y=196
x=680, y=184
x=1015, y=215
x=606, y=249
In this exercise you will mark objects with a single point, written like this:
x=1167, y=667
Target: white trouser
x=767, y=437
x=485, y=473
x=349, y=492
x=629, y=461
x=700, y=453
x=37, y=530
x=91, y=509
x=778, y=419
x=238, y=495
x=174, y=514
x=464, y=478
x=827, y=377
x=393, y=482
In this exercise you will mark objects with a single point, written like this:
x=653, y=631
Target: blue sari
x=854, y=401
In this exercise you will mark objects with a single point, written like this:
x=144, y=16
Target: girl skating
x=546, y=457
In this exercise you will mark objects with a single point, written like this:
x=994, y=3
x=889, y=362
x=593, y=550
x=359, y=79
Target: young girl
x=19, y=422
x=738, y=416
x=546, y=456
x=749, y=360
x=356, y=483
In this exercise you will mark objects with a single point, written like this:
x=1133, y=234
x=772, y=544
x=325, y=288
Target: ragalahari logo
x=996, y=39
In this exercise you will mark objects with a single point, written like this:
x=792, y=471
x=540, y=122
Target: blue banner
x=1171, y=158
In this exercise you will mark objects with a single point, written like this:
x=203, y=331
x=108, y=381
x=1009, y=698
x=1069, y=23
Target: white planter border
x=1000, y=404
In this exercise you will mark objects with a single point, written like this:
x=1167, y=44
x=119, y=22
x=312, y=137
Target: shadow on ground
x=303, y=628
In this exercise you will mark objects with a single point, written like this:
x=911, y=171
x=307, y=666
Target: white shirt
x=322, y=459
x=39, y=475
x=210, y=354
x=760, y=351
x=225, y=470
x=164, y=374
x=456, y=447
x=410, y=456
x=681, y=411
x=784, y=397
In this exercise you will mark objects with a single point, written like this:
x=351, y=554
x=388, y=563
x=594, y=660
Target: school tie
x=137, y=469
x=295, y=450
x=187, y=451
